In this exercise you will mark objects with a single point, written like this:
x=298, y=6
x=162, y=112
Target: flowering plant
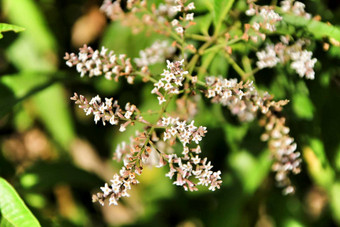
x=212, y=111
x=186, y=79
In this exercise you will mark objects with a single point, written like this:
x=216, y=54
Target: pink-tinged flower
x=161, y=99
x=190, y=17
x=106, y=189
x=113, y=201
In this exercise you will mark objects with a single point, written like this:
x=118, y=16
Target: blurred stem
x=167, y=29
x=161, y=112
x=236, y=67
x=198, y=37
x=222, y=44
x=148, y=77
x=247, y=66
x=203, y=69
x=199, y=53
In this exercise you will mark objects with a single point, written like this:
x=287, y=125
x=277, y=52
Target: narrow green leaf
x=13, y=209
x=27, y=13
x=302, y=106
x=335, y=201
x=206, y=61
x=221, y=9
x=202, y=25
x=38, y=177
x=9, y=27
x=318, y=164
x=219, y=66
x=18, y=87
x=317, y=28
x=52, y=106
x=251, y=170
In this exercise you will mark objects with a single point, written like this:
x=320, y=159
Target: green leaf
x=9, y=27
x=53, y=109
x=122, y=40
x=251, y=170
x=13, y=210
x=318, y=164
x=38, y=177
x=317, y=28
x=219, y=65
x=206, y=61
x=335, y=201
x=221, y=9
x=26, y=13
x=18, y=87
x=202, y=25
x=302, y=105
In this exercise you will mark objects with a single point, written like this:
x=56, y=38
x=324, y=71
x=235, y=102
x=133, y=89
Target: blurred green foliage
x=55, y=157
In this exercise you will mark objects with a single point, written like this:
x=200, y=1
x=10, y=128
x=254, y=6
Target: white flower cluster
x=303, y=63
x=132, y=155
x=193, y=167
x=190, y=164
x=268, y=15
x=97, y=63
x=270, y=19
x=111, y=9
x=156, y=53
x=267, y=57
x=125, y=151
x=287, y=159
x=120, y=184
x=241, y=98
x=301, y=60
x=106, y=111
x=171, y=80
x=185, y=133
x=165, y=10
x=187, y=17
x=296, y=7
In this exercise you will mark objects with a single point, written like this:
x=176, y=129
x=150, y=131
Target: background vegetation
x=55, y=157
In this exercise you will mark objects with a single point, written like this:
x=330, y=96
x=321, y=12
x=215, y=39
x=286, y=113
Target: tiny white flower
x=174, y=23
x=113, y=201
x=177, y=8
x=159, y=84
x=166, y=121
x=179, y=30
x=113, y=121
x=161, y=99
x=128, y=114
x=96, y=117
x=250, y=12
x=106, y=189
x=196, y=160
x=166, y=136
x=122, y=128
x=190, y=17
x=191, y=6
x=69, y=64
x=167, y=86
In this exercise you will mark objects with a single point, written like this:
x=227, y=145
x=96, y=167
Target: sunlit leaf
x=27, y=14
x=302, y=105
x=221, y=9
x=318, y=165
x=335, y=200
x=13, y=210
x=9, y=27
x=18, y=87
x=317, y=28
x=250, y=170
x=39, y=176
